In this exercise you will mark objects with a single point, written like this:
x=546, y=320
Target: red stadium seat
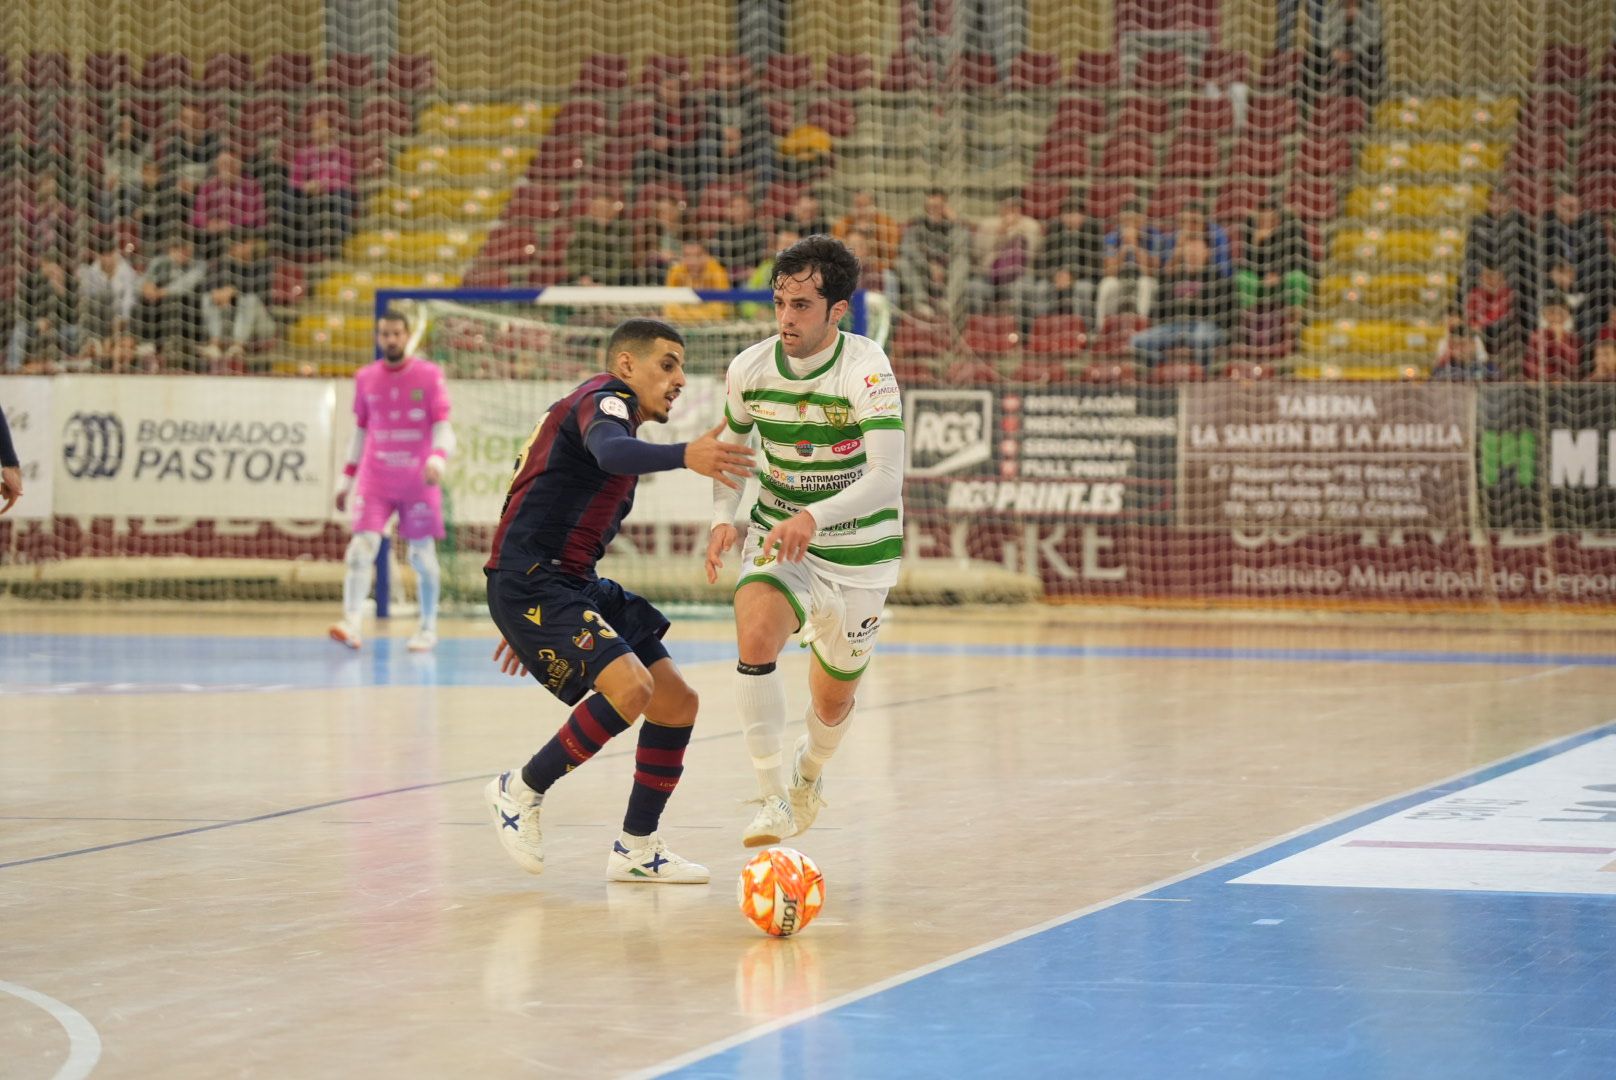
x=1339, y=114
x=1261, y=158
x=971, y=371
x=1145, y=115
x=1314, y=199
x=1128, y=154
x=1042, y=199
x=1207, y=116
x=1081, y=116
x=917, y=338
x=1329, y=155
x=1221, y=67
x=836, y=115
x=557, y=159
x=410, y=73
x=1549, y=110
x=510, y=244
x=231, y=71
x=1063, y=157
x=1562, y=63
x=47, y=71
x=263, y=117
x=974, y=71
x=1542, y=152
x=635, y=120
x=1237, y=201
x=1035, y=71
x=1597, y=154
x=601, y=73
x=1108, y=370
x=1116, y=334
x=1106, y=199
x=386, y=116
x=613, y=161
x=724, y=70
x=1273, y=115
x=849, y=72
x=347, y=72
x=1057, y=335
x=1263, y=334
x=787, y=72
x=992, y=335
x=108, y=71
x=1601, y=111
x=1041, y=371
x=165, y=71
x=580, y=117
x=911, y=372
x=1177, y=371
x=780, y=197
x=1193, y=156
x=904, y=74
x=288, y=285
x=659, y=67
x=333, y=109
x=1172, y=197
x=1095, y=71
x=1280, y=72
x=1161, y=69
x=534, y=202
x=287, y=72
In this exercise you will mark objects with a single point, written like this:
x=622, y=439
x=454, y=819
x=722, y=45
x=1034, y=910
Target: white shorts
x=838, y=622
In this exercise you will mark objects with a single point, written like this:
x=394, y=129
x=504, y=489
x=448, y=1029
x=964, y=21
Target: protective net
x=1303, y=301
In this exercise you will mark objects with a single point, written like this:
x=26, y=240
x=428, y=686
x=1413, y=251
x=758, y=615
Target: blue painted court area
x=101, y=664
x=1207, y=978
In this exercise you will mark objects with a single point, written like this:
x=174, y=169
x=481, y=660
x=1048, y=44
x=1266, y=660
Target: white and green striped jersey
x=811, y=432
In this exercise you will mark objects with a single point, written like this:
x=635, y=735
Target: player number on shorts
x=604, y=628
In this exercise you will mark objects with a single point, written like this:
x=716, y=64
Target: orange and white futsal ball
x=780, y=891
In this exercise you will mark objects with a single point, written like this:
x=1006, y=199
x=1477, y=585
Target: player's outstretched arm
x=617, y=451
x=881, y=486
x=356, y=446
x=728, y=463
x=723, y=537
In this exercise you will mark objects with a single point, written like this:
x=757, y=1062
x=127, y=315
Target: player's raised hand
x=508, y=661
x=728, y=463
x=10, y=486
x=433, y=473
x=722, y=538
x=792, y=535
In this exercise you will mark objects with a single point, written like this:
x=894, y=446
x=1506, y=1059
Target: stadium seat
x=914, y=338
x=580, y=117
x=971, y=371
x=904, y=74
x=1057, y=336
x=534, y=202
x=1042, y=199
x=509, y=244
x=612, y=161
x=410, y=73
x=1598, y=192
x=1161, y=69
x=47, y=71
x=1339, y=114
x=1172, y=197
x=288, y=284
x=230, y=71
x=329, y=107
x=1271, y=115
x=1032, y=70
x=1562, y=63
x=1108, y=370
x=1548, y=110
x=287, y=72
x=106, y=72
x=1597, y=153
x=1260, y=158
x=1280, y=72
x=1128, y=154
x=1263, y=334
x=263, y=117
x=1170, y=372
x=386, y=116
x=347, y=73
x=165, y=71
x=1221, y=67
x=1143, y=115
x=787, y=72
x=1116, y=334
x=836, y=115
x=1193, y=156
x=1081, y=116
x=1237, y=201
x=1095, y=71
x=1041, y=371
x=718, y=71
x=483, y=276
x=849, y=72
x=661, y=66
x=1249, y=370
x=1544, y=151
x=1207, y=116
x=913, y=371
x=1106, y=199
x=782, y=114
x=974, y=71
x=1601, y=115
x=601, y=73
x=992, y=335
x=557, y=159
x=1329, y=156
x=1313, y=199
x=1062, y=157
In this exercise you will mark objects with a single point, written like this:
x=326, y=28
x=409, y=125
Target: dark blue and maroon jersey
x=563, y=508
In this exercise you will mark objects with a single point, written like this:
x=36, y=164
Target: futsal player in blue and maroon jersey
x=578, y=632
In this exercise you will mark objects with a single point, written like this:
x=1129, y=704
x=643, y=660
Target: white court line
x=84, y=1044
x=718, y=1047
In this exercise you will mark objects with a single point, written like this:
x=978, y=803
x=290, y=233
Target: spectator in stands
x=1492, y=313
x=934, y=261
x=1460, y=355
x=1285, y=12
x=168, y=318
x=884, y=233
x=807, y=216
x=762, y=276
x=49, y=223
x=943, y=29
x=735, y=140
x=1069, y=265
x=740, y=243
x=1571, y=236
x=161, y=206
x=1499, y=236
x=191, y=150
x=671, y=149
x=806, y=153
x=659, y=241
x=235, y=312
x=108, y=289
x=1276, y=261
x=1554, y=354
x=1133, y=253
x=1193, y=307
x=761, y=28
x=599, y=251
x=1604, y=361
x=227, y=204
x=1350, y=50
x=697, y=269
x=123, y=168
x=1193, y=224
x=1005, y=247
x=48, y=319
x=322, y=186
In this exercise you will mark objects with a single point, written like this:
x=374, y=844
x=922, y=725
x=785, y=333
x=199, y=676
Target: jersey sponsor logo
x=846, y=446
x=802, y=409
x=613, y=406
x=952, y=431
x=890, y=405
x=838, y=415
x=417, y=394
x=876, y=379
x=884, y=389
x=556, y=669
x=805, y=449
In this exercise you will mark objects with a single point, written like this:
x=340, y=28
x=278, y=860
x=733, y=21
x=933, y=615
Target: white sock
x=428, y=581
x=760, y=695
x=361, y=561
x=823, y=739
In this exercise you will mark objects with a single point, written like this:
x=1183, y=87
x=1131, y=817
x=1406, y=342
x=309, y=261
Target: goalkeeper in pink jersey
x=401, y=440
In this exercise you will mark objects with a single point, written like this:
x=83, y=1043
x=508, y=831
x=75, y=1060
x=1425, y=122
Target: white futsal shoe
x=650, y=860
x=771, y=824
x=346, y=632
x=807, y=796
x=515, y=810
x=423, y=641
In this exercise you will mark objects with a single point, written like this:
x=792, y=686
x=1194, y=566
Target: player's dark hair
x=837, y=266
x=393, y=316
x=638, y=335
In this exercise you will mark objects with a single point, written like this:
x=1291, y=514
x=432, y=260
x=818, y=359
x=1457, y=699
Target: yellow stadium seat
x=1471, y=158
x=345, y=333
x=413, y=248
x=417, y=202
x=495, y=166
x=1460, y=200
x=1398, y=247
x=360, y=287
x=464, y=120
x=1446, y=115
x=1370, y=338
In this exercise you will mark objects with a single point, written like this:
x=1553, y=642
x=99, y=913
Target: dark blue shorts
x=566, y=630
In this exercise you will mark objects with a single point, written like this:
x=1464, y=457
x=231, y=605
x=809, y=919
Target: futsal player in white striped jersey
x=825, y=536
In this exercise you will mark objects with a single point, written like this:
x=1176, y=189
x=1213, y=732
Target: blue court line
x=1351, y=982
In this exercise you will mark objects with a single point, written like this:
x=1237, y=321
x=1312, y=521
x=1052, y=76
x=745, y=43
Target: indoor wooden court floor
x=1059, y=843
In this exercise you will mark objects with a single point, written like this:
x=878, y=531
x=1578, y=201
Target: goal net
x=1193, y=301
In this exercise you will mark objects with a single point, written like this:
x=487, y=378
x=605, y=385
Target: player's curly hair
x=838, y=267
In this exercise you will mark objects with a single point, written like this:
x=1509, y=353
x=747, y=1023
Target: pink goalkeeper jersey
x=397, y=409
